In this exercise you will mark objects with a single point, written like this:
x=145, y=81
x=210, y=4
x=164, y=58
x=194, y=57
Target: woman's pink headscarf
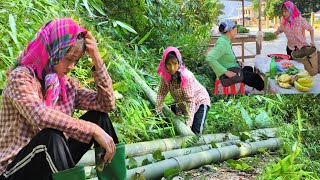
x=46, y=50
x=293, y=11
x=162, y=71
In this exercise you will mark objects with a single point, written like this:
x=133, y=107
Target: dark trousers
x=199, y=117
x=252, y=79
x=289, y=51
x=49, y=151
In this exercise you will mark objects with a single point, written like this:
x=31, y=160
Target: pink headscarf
x=162, y=71
x=293, y=11
x=46, y=50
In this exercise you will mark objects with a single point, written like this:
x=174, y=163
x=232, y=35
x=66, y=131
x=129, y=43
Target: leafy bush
x=242, y=29
x=269, y=36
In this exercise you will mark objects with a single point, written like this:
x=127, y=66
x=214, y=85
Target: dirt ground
x=220, y=174
x=222, y=171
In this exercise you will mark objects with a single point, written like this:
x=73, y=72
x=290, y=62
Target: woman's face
x=172, y=66
x=69, y=60
x=234, y=32
x=285, y=12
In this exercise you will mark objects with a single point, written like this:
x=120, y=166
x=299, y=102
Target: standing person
x=192, y=99
x=39, y=136
x=294, y=26
x=222, y=57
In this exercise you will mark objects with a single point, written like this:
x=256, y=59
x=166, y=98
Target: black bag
x=226, y=81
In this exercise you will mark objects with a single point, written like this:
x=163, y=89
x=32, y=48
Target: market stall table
x=262, y=66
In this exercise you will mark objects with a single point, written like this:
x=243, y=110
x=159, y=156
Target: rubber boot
x=76, y=173
x=116, y=170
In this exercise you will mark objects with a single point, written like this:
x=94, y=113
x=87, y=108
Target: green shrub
x=269, y=36
x=242, y=29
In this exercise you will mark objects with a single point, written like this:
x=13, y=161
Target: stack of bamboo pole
x=176, y=157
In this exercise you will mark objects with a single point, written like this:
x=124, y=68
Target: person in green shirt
x=222, y=57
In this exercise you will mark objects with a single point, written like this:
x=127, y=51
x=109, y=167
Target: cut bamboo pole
x=180, y=152
x=142, y=148
x=191, y=161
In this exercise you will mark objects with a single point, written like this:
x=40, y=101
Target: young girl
x=192, y=99
x=39, y=136
x=294, y=26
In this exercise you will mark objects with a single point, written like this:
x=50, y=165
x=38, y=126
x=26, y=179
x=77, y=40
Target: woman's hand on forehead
x=92, y=50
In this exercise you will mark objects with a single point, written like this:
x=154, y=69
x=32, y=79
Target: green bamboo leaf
x=299, y=119
x=13, y=32
x=86, y=5
x=238, y=167
x=244, y=137
x=262, y=120
x=132, y=163
x=232, y=163
x=157, y=155
x=170, y=173
x=147, y=109
x=134, y=39
x=235, y=133
x=12, y=23
x=10, y=49
x=126, y=26
x=120, y=86
x=136, y=50
x=146, y=162
x=97, y=6
x=76, y=4
x=213, y=145
x=286, y=163
x=145, y=37
x=262, y=150
x=279, y=97
x=259, y=98
x=246, y=117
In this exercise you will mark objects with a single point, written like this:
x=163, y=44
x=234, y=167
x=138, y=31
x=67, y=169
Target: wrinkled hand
x=230, y=74
x=106, y=142
x=92, y=49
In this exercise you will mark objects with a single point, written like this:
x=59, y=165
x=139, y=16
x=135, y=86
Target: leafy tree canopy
x=273, y=7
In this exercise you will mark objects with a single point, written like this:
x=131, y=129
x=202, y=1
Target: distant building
x=250, y=15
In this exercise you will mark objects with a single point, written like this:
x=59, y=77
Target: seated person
x=222, y=57
x=39, y=136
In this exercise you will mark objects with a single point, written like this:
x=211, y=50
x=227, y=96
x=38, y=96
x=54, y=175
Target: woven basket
x=308, y=57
